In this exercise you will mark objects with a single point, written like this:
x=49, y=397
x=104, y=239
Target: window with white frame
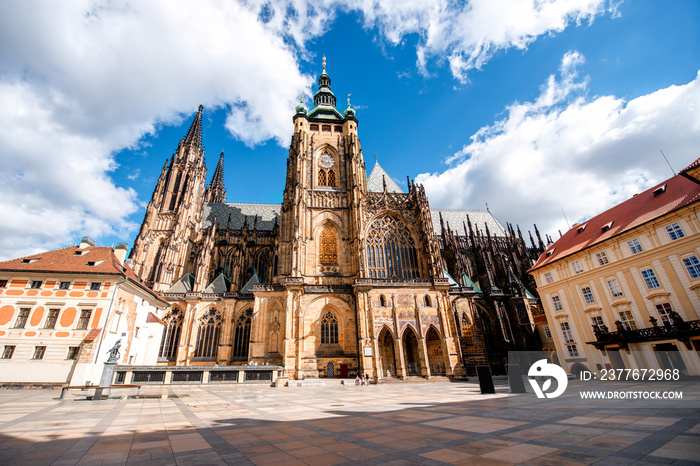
x=627, y=320
x=602, y=258
x=548, y=277
x=635, y=246
x=547, y=331
x=22, y=317
x=675, y=231
x=588, y=295
x=578, y=268
x=615, y=289
x=573, y=351
x=8, y=351
x=39, y=352
x=557, y=303
x=650, y=279
x=566, y=331
x=598, y=322
x=692, y=265
x=664, y=310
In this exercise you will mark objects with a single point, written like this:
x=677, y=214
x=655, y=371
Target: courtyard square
x=391, y=423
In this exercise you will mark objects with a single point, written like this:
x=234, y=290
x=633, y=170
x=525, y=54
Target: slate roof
x=219, y=285
x=458, y=218
x=184, y=285
x=642, y=208
x=375, y=184
x=266, y=215
x=76, y=260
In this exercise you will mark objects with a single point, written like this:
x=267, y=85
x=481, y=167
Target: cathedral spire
x=194, y=135
x=216, y=192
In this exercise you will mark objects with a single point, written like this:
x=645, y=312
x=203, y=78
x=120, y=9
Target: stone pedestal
x=105, y=380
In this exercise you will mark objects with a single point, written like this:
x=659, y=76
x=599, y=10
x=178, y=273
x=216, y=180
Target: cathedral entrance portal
x=435, y=357
x=387, y=361
x=410, y=351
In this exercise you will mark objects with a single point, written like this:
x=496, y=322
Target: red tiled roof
x=691, y=166
x=642, y=208
x=152, y=318
x=66, y=260
x=92, y=334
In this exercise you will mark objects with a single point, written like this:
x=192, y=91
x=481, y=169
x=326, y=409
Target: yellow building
x=62, y=310
x=629, y=279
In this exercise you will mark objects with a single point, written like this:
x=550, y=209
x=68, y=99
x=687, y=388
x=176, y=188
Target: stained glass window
x=391, y=251
x=242, y=338
x=329, y=329
x=208, y=335
x=171, y=334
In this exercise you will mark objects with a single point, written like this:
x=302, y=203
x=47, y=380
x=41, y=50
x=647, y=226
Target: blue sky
x=529, y=107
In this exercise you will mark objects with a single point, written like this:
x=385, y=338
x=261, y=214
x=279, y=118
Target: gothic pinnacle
x=194, y=135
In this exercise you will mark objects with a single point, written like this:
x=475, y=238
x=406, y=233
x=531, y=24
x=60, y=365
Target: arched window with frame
x=171, y=335
x=322, y=177
x=208, y=335
x=382, y=301
x=390, y=249
x=427, y=301
x=327, y=246
x=329, y=329
x=331, y=178
x=241, y=340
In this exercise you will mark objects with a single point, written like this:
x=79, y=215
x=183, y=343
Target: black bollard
x=515, y=379
x=485, y=380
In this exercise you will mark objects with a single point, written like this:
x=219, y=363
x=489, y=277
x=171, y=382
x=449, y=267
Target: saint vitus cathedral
x=348, y=275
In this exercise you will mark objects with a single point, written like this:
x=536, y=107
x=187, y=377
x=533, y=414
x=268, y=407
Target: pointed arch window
x=390, y=250
x=208, y=335
x=427, y=301
x=322, y=177
x=241, y=340
x=171, y=335
x=329, y=329
x=327, y=247
x=331, y=178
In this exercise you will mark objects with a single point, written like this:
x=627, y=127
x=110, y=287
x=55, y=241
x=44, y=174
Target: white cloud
x=81, y=80
x=564, y=150
x=468, y=34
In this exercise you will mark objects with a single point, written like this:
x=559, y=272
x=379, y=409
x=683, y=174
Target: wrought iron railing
x=677, y=330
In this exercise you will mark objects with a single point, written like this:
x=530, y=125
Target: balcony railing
x=677, y=329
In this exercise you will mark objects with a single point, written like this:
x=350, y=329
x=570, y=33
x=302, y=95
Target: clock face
x=326, y=161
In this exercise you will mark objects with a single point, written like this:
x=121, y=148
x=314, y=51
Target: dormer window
x=94, y=263
x=607, y=226
x=581, y=228
x=29, y=261
x=550, y=252
x=81, y=252
x=660, y=190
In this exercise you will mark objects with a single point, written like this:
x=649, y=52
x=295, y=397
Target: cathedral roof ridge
x=253, y=203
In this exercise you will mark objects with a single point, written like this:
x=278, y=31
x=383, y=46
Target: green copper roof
x=452, y=281
x=468, y=282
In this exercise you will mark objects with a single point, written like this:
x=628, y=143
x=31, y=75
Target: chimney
x=86, y=242
x=120, y=252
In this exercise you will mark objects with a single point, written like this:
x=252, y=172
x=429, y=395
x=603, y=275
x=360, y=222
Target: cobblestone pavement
x=396, y=423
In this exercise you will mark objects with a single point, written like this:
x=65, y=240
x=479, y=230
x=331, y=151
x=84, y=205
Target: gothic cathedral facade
x=348, y=275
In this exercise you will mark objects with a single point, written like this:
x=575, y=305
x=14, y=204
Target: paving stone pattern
x=399, y=423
